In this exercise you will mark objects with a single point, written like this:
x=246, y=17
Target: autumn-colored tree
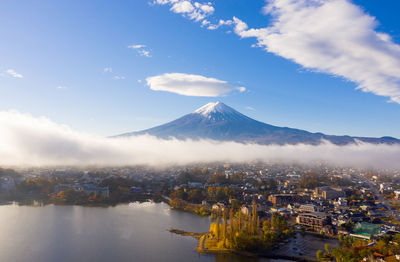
x=218, y=229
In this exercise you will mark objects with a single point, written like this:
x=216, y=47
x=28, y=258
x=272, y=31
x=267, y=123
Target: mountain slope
x=220, y=122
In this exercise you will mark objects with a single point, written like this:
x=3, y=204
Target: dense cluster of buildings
x=358, y=208
x=349, y=201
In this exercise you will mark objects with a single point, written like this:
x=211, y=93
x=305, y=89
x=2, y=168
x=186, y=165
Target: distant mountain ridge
x=218, y=121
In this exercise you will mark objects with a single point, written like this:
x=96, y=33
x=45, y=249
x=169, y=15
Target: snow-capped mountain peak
x=214, y=107
x=218, y=121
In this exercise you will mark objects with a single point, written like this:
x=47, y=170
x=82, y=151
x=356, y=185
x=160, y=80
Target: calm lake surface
x=134, y=232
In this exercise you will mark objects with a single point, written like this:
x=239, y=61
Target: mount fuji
x=218, y=121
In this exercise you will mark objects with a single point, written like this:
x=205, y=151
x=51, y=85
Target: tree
x=232, y=228
x=320, y=255
x=220, y=195
x=224, y=227
x=270, y=237
x=266, y=225
x=311, y=180
x=184, y=177
x=237, y=178
x=218, y=178
x=366, y=253
x=340, y=238
x=270, y=184
x=328, y=249
x=235, y=204
x=180, y=193
x=217, y=231
x=195, y=195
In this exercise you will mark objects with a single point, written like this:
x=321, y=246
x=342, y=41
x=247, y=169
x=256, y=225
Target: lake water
x=134, y=232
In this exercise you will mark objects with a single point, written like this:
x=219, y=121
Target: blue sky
x=58, y=52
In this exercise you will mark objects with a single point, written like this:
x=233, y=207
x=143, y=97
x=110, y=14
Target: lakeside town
x=256, y=208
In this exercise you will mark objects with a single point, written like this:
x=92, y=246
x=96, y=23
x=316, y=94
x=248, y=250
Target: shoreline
x=203, y=250
x=44, y=202
x=27, y=201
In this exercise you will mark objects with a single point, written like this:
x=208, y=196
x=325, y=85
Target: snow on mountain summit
x=220, y=122
x=214, y=107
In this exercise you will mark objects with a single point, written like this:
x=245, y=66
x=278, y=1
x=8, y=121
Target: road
x=384, y=202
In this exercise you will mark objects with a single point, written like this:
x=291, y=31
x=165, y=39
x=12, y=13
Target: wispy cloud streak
x=142, y=50
x=12, y=73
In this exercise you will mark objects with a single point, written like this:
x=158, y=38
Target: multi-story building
x=313, y=219
x=285, y=199
x=308, y=208
x=327, y=192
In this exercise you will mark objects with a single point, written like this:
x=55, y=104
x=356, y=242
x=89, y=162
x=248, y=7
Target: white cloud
x=32, y=141
x=249, y=108
x=145, y=53
x=61, y=87
x=220, y=23
x=116, y=77
x=136, y=46
x=205, y=22
x=12, y=73
x=334, y=37
x=182, y=7
x=141, y=50
x=193, y=10
x=329, y=36
x=190, y=85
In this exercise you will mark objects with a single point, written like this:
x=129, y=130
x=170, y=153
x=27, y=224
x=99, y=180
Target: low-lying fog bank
x=37, y=141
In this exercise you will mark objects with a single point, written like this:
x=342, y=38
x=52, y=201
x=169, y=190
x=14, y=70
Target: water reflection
x=134, y=232
x=231, y=257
